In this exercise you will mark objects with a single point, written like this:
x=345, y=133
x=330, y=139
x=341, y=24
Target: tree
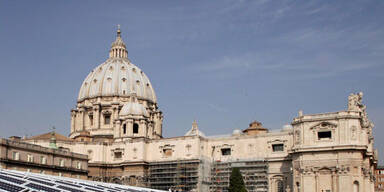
x=236, y=183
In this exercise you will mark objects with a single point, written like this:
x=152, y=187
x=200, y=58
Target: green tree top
x=236, y=183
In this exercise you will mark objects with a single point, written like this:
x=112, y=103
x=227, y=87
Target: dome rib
x=88, y=89
x=116, y=80
x=101, y=85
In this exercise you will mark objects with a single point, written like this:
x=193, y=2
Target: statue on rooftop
x=355, y=104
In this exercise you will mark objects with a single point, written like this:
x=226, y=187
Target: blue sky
x=223, y=63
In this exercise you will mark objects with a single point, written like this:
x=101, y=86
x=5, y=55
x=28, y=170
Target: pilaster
x=81, y=111
x=130, y=127
x=117, y=129
x=73, y=121
x=96, y=109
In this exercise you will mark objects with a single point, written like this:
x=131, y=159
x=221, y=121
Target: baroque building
x=118, y=124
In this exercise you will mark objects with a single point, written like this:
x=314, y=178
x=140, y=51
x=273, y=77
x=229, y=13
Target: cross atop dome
x=118, y=48
x=118, y=30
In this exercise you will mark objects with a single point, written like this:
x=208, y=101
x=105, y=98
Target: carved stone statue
x=355, y=104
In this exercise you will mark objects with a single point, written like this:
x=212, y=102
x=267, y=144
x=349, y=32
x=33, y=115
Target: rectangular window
x=61, y=163
x=107, y=119
x=15, y=155
x=118, y=154
x=43, y=160
x=79, y=165
x=324, y=135
x=29, y=158
x=91, y=119
x=135, y=128
x=277, y=147
x=125, y=129
x=226, y=151
x=167, y=152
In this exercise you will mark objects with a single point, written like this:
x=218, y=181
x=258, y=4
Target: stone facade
x=118, y=125
x=27, y=157
x=330, y=150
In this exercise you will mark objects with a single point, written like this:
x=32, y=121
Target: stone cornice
x=124, y=163
x=327, y=148
x=278, y=159
x=53, y=167
x=114, y=95
x=327, y=116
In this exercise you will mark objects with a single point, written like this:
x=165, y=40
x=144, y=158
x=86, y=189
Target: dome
x=117, y=77
x=287, y=127
x=194, y=131
x=133, y=108
x=116, y=93
x=237, y=132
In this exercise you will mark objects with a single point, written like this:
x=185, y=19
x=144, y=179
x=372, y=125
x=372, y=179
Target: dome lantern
x=118, y=48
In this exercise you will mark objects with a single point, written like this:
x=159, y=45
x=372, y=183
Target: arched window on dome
x=125, y=129
x=135, y=128
x=90, y=116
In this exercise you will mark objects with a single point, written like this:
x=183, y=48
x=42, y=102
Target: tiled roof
x=47, y=136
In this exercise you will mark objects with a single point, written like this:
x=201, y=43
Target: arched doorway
x=356, y=186
x=279, y=186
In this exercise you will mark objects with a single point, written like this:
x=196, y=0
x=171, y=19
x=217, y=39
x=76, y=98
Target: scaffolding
x=175, y=175
x=254, y=172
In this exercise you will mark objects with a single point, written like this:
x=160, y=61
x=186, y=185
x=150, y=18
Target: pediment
x=277, y=141
x=278, y=177
x=324, y=125
x=167, y=146
x=325, y=170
